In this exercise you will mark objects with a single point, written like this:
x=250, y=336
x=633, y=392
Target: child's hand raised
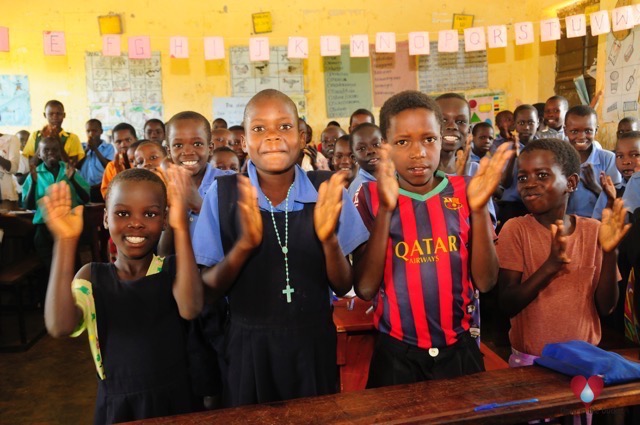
x=607, y=185
x=589, y=180
x=250, y=218
x=484, y=183
x=613, y=227
x=558, y=255
x=462, y=156
x=62, y=221
x=388, y=187
x=176, y=179
x=327, y=210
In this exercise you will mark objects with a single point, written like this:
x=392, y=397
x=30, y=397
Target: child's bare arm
x=325, y=218
x=187, y=286
x=221, y=276
x=369, y=259
x=484, y=260
x=612, y=231
x=60, y=311
x=608, y=187
x=516, y=295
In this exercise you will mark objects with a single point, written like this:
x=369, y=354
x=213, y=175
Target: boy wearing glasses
x=581, y=126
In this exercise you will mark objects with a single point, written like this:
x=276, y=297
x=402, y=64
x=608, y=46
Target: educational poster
x=393, y=72
x=15, y=103
x=452, y=72
x=485, y=105
x=622, y=73
x=120, y=89
x=280, y=72
x=347, y=84
x=231, y=109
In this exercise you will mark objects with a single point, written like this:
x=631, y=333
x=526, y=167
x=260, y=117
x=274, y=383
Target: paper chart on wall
x=485, y=104
x=392, y=73
x=15, y=102
x=120, y=89
x=347, y=84
x=452, y=72
x=622, y=76
x=231, y=109
x=280, y=72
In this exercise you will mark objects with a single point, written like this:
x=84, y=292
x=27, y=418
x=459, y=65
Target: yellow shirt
x=72, y=146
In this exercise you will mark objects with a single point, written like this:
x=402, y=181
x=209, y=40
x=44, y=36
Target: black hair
x=95, y=121
x=630, y=120
x=409, y=99
x=362, y=111
x=502, y=113
x=271, y=94
x=630, y=135
x=220, y=120
x=53, y=102
x=189, y=115
x=540, y=108
x=455, y=96
x=480, y=125
x=135, y=144
x=344, y=138
x=581, y=111
x=223, y=149
x=565, y=155
x=125, y=126
x=154, y=121
x=525, y=107
x=333, y=124
x=563, y=100
x=236, y=127
x=361, y=127
x=136, y=175
x=144, y=142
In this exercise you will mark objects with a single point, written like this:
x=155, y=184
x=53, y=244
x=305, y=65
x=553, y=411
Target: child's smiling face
x=455, y=126
x=189, y=145
x=581, y=131
x=273, y=139
x=366, y=145
x=541, y=183
x=628, y=156
x=414, y=135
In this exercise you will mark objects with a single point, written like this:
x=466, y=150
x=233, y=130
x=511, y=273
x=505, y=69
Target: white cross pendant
x=288, y=291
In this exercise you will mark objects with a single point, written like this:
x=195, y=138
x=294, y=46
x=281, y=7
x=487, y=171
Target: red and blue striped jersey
x=426, y=293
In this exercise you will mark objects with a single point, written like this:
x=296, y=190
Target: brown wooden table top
x=444, y=401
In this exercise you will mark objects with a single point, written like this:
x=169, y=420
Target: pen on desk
x=491, y=406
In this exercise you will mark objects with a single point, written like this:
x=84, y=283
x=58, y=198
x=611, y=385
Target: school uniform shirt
x=550, y=133
x=362, y=177
x=496, y=143
x=71, y=142
x=9, y=150
x=565, y=309
x=510, y=193
x=210, y=175
x=207, y=243
x=631, y=196
x=582, y=202
x=92, y=169
x=46, y=179
x=601, y=203
x=426, y=295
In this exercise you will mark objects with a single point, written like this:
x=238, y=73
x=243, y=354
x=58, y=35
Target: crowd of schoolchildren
x=229, y=243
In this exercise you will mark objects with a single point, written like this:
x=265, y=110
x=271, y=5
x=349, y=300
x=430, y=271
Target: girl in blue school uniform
x=132, y=309
x=276, y=246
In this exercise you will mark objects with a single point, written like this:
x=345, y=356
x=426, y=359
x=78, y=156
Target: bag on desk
x=581, y=358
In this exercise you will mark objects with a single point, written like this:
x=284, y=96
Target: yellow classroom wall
x=526, y=73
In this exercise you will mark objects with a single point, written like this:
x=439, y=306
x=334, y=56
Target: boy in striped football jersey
x=418, y=264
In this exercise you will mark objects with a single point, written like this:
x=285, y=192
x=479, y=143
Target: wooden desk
x=356, y=340
x=444, y=401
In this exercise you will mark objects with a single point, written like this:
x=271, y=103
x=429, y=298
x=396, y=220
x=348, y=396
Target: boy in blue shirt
x=276, y=246
x=97, y=156
x=51, y=170
x=366, y=140
x=581, y=126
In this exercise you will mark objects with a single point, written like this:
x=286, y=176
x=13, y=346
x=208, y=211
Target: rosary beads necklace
x=288, y=290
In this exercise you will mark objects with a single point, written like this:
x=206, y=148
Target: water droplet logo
x=587, y=390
